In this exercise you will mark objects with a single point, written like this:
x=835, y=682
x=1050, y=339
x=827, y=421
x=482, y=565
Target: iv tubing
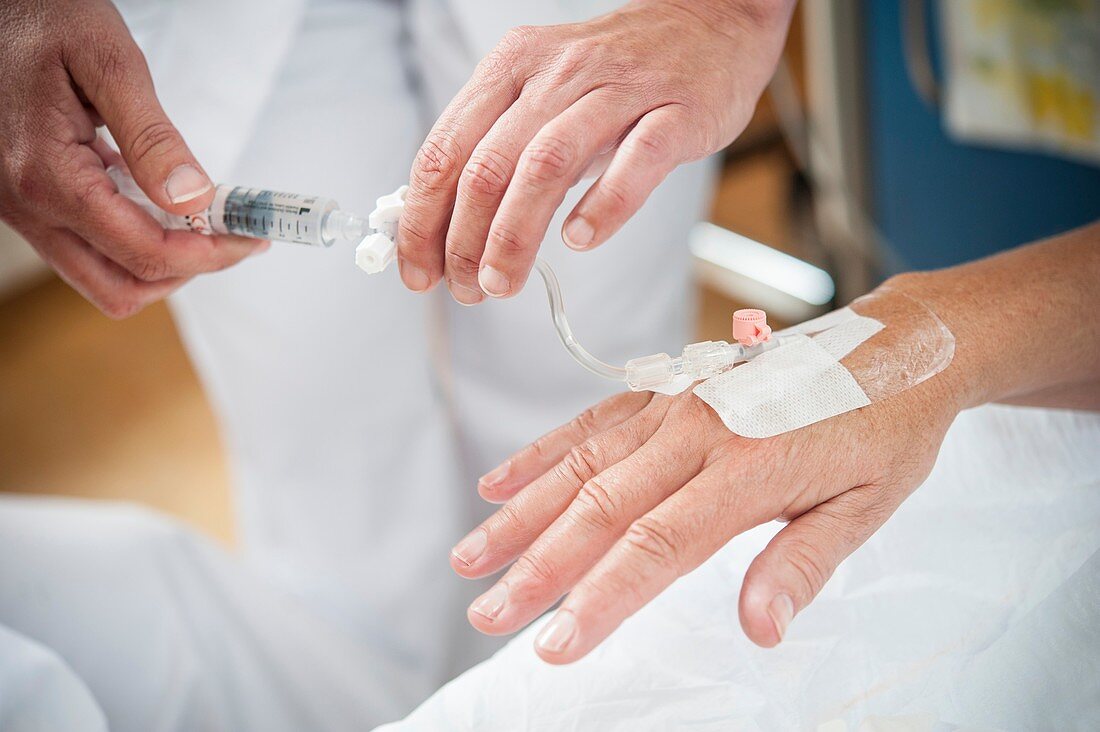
x=565, y=333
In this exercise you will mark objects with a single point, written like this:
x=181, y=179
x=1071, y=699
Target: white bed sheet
x=976, y=606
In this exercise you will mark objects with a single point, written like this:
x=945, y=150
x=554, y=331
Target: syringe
x=259, y=213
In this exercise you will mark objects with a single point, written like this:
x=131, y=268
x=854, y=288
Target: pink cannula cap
x=750, y=327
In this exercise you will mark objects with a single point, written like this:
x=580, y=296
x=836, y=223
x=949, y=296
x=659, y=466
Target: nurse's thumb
x=800, y=559
x=161, y=163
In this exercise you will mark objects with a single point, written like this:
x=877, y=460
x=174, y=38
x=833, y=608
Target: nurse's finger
x=659, y=142
x=112, y=289
x=508, y=532
x=482, y=185
x=119, y=229
x=71, y=189
x=503, y=481
x=433, y=181
x=114, y=78
x=605, y=506
x=550, y=165
x=108, y=155
x=658, y=548
x=800, y=559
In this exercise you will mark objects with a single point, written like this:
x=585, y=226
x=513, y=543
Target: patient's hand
x=616, y=505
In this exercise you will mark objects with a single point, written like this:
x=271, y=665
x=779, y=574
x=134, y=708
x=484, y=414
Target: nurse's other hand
x=615, y=506
x=70, y=66
x=633, y=94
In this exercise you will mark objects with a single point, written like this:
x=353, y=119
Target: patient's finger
x=503, y=481
x=666, y=543
x=602, y=510
x=508, y=532
x=799, y=560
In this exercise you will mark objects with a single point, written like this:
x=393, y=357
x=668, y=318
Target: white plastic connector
x=650, y=372
x=377, y=250
x=375, y=253
x=387, y=212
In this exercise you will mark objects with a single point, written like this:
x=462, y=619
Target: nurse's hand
x=632, y=94
x=70, y=66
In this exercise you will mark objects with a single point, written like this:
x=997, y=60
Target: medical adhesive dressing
x=879, y=346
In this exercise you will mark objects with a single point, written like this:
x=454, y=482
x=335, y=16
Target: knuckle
x=148, y=267
x=412, y=231
x=582, y=462
x=486, y=175
x=27, y=183
x=119, y=306
x=115, y=61
x=586, y=422
x=656, y=541
x=88, y=192
x=810, y=566
x=152, y=139
x=548, y=160
x=461, y=263
x=519, y=40
x=566, y=62
x=509, y=515
x=595, y=505
x=621, y=588
x=543, y=447
x=506, y=241
x=651, y=145
x=437, y=162
x=533, y=567
x=617, y=195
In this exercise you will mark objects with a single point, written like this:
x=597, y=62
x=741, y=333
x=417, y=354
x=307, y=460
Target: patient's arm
x=641, y=489
x=1027, y=322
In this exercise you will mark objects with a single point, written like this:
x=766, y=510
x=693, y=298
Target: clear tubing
x=565, y=333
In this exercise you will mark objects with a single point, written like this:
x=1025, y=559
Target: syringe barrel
x=267, y=214
x=254, y=212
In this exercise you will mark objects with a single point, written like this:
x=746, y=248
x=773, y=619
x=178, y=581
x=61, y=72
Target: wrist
x=973, y=377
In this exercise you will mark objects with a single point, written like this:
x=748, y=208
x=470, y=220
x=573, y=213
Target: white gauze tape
x=797, y=384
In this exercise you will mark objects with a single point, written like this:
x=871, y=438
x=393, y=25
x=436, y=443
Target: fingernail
x=491, y=603
x=781, y=611
x=577, y=233
x=493, y=281
x=414, y=278
x=555, y=635
x=260, y=248
x=186, y=183
x=464, y=295
x=496, y=476
x=469, y=549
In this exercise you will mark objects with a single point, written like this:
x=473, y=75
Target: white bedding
x=977, y=605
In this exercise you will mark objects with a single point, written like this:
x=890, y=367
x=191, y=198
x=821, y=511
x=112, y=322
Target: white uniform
x=358, y=415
